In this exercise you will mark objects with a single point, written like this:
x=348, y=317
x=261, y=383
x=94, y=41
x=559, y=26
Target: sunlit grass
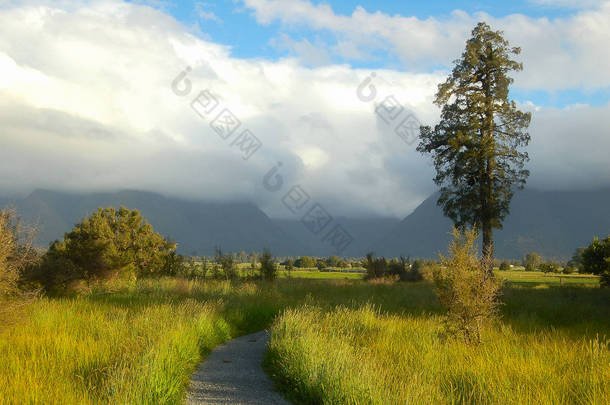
x=363, y=356
x=139, y=344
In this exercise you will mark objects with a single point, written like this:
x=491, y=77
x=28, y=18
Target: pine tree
x=477, y=145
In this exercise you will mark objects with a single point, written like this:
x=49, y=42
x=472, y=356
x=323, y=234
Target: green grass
x=321, y=275
x=334, y=341
x=550, y=347
x=537, y=277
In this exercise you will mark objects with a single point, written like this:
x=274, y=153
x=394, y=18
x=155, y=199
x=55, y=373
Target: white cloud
x=562, y=53
x=204, y=13
x=87, y=104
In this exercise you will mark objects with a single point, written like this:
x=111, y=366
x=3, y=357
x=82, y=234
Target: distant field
x=322, y=275
x=537, y=277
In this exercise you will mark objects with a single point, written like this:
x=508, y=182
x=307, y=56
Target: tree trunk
x=488, y=246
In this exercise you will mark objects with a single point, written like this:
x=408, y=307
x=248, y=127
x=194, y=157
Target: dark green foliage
x=375, y=267
x=305, y=262
x=569, y=269
x=476, y=145
x=321, y=264
x=576, y=260
x=107, y=244
x=268, y=266
x=549, y=267
x=596, y=260
x=531, y=261
x=505, y=265
x=225, y=265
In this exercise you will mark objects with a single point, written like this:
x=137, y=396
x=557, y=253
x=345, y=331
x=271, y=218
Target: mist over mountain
x=552, y=223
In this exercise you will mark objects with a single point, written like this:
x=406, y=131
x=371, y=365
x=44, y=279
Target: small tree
x=504, y=266
x=226, y=264
x=465, y=288
x=532, y=261
x=268, y=266
x=105, y=245
x=290, y=266
x=596, y=260
x=375, y=267
x=305, y=262
x=549, y=267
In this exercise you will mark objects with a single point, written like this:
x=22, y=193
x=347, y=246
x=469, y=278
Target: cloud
x=87, y=104
x=204, y=14
x=563, y=53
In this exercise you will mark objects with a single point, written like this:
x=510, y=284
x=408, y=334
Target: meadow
x=333, y=341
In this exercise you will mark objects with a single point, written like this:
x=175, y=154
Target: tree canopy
x=105, y=244
x=476, y=147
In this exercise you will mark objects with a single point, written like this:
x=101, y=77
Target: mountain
x=197, y=226
x=552, y=223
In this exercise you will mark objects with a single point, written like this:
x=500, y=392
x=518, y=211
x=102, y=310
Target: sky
x=254, y=99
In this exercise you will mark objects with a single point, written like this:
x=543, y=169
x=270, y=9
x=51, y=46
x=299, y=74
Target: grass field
x=335, y=341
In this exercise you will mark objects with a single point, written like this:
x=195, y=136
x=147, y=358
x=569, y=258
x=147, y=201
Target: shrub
x=305, y=262
x=549, y=267
x=375, y=267
x=103, y=246
x=464, y=287
x=596, y=260
x=17, y=256
x=321, y=264
x=505, y=265
x=225, y=265
x=268, y=266
x=568, y=269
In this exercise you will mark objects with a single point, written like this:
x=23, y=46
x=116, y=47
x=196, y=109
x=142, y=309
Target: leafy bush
x=225, y=265
x=549, y=267
x=305, y=262
x=375, y=267
x=568, y=269
x=268, y=266
x=110, y=243
x=504, y=266
x=464, y=287
x=596, y=260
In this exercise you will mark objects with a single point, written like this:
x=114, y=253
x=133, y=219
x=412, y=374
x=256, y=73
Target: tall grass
x=130, y=347
x=139, y=344
x=362, y=356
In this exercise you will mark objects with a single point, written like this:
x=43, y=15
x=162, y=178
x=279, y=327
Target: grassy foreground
x=334, y=341
x=552, y=347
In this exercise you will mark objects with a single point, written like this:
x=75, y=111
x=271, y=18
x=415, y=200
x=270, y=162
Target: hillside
x=552, y=223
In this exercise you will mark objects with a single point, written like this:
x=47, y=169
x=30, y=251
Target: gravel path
x=232, y=374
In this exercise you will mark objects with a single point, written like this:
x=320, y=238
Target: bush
x=549, y=267
x=464, y=287
x=103, y=246
x=375, y=267
x=596, y=260
x=305, y=262
x=568, y=269
x=268, y=266
x=504, y=266
x=17, y=256
x=225, y=265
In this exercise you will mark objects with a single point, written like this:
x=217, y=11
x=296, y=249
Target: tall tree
x=477, y=145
